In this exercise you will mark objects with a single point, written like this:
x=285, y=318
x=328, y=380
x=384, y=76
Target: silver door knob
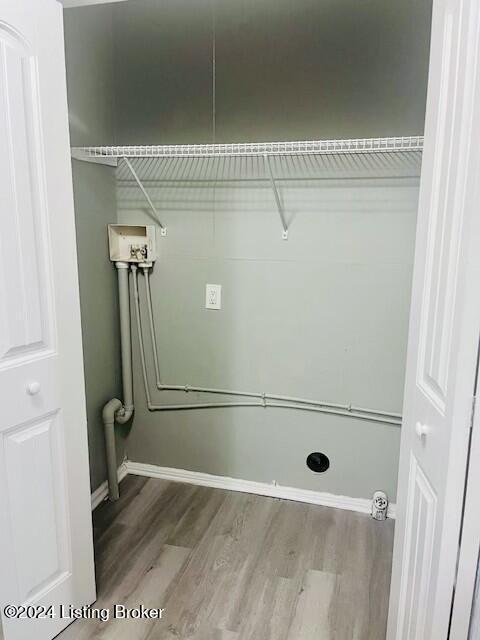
x=421, y=429
x=33, y=388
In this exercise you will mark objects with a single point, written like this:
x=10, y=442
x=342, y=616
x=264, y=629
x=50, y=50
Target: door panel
x=46, y=550
x=27, y=321
x=420, y=521
x=438, y=303
x=39, y=507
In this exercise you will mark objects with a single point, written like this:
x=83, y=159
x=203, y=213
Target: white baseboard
x=362, y=505
x=101, y=492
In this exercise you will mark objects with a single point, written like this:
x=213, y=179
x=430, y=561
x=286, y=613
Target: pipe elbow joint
x=110, y=409
x=115, y=411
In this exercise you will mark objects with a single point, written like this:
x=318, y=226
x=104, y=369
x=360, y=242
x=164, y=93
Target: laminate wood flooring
x=234, y=566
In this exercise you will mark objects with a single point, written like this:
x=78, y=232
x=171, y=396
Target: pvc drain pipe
x=115, y=410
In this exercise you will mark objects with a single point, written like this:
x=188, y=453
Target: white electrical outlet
x=213, y=296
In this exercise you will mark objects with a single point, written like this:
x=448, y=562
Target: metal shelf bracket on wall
x=277, y=197
x=163, y=228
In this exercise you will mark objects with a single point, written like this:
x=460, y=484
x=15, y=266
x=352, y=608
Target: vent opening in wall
x=318, y=462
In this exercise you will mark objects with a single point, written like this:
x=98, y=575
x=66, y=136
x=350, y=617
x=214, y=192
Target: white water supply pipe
x=115, y=410
x=279, y=401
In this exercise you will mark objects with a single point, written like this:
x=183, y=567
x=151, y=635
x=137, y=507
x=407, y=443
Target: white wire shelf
x=306, y=147
x=152, y=168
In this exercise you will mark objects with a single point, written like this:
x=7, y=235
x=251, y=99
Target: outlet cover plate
x=213, y=296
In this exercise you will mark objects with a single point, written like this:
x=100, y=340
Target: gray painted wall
x=303, y=69
x=89, y=59
x=323, y=315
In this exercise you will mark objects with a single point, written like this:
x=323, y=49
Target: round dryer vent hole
x=318, y=462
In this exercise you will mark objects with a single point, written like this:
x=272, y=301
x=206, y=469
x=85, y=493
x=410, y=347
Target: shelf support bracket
x=163, y=228
x=277, y=197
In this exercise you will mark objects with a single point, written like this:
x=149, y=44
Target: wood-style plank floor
x=234, y=566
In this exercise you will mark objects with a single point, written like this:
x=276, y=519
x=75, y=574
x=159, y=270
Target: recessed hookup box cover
x=132, y=242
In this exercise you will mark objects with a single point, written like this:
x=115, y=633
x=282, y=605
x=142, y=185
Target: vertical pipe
x=115, y=410
x=125, y=342
x=110, y=449
x=111, y=453
x=140, y=336
x=152, y=326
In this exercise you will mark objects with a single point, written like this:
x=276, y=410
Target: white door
x=46, y=555
x=444, y=331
